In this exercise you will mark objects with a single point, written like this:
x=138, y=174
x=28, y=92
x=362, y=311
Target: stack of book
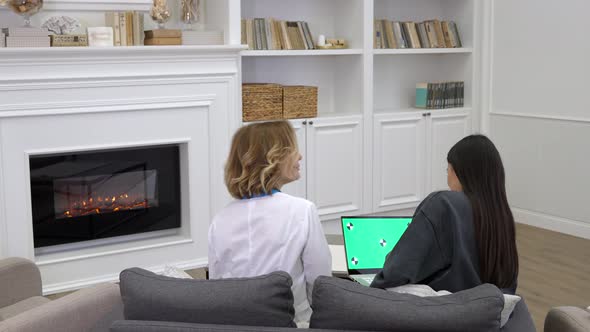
x=127, y=27
x=427, y=34
x=163, y=37
x=439, y=95
x=271, y=34
x=26, y=37
x=194, y=37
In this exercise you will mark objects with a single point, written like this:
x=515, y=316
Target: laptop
x=367, y=241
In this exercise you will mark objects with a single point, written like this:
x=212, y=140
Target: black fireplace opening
x=86, y=196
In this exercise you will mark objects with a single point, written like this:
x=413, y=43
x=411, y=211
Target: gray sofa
x=264, y=303
x=150, y=302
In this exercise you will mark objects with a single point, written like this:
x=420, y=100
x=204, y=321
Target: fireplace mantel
x=57, y=100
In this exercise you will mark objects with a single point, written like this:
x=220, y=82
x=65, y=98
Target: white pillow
x=510, y=301
x=174, y=272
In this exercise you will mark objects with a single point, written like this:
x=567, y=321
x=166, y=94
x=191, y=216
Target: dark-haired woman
x=461, y=238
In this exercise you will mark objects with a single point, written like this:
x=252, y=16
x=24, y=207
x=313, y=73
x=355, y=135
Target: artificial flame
x=105, y=204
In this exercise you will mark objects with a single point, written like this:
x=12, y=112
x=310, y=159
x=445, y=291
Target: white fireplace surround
x=83, y=99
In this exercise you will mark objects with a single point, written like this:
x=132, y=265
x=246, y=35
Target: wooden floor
x=554, y=270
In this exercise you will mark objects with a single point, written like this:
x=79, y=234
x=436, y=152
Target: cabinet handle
x=304, y=122
x=310, y=122
x=428, y=114
x=424, y=114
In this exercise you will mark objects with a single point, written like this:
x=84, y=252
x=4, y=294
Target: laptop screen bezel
x=364, y=271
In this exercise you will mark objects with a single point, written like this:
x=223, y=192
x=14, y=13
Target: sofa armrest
x=90, y=309
x=567, y=319
x=19, y=279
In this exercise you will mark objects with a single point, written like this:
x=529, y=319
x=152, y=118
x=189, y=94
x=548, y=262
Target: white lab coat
x=256, y=236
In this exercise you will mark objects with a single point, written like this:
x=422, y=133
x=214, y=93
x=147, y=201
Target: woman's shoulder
x=293, y=200
x=443, y=202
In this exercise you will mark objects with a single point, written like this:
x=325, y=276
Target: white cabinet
x=446, y=129
x=409, y=154
x=332, y=162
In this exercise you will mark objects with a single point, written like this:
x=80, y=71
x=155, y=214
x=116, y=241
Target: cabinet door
x=334, y=165
x=298, y=188
x=446, y=129
x=398, y=161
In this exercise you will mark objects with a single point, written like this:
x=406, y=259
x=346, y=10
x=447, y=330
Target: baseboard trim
x=561, y=225
x=82, y=283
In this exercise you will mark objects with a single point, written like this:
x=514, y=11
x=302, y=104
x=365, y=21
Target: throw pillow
x=342, y=304
x=265, y=300
x=510, y=301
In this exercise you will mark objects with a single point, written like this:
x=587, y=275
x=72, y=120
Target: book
x=163, y=33
x=137, y=28
x=447, y=34
x=399, y=38
x=2, y=39
x=439, y=34
x=68, y=40
x=389, y=36
x=28, y=41
x=123, y=29
x=414, y=35
x=423, y=35
x=308, y=35
x=163, y=41
x=421, y=95
x=455, y=34
x=377, y=35
x=194, y=37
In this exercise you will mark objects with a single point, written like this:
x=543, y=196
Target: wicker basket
x=300, y=101
x=262, y=102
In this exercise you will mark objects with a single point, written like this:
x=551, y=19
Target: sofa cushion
x=22, y=306
x=265, y=300
x=342, y=304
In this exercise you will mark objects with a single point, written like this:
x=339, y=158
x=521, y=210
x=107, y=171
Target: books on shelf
x=127, y=27
x=272, y=34
x=26, y=37
x=2, y=39
x=194, y=37
x=439, y=95
x=427, y=34
x=163, y=37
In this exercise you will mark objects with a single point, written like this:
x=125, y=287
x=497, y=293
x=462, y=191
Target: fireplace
x=84, y=197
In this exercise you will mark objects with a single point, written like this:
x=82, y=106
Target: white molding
x=561, y=225
x=175, y=241
x=114, y=277
x=541, y=117
x=86, y=107
x=97, y=5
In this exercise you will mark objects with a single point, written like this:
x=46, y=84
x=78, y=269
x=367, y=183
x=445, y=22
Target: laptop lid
x=368, y=240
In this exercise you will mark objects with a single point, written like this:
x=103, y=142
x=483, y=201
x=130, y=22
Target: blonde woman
x=265, y=230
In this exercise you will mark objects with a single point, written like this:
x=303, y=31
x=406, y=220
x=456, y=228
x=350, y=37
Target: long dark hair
x=479, y=168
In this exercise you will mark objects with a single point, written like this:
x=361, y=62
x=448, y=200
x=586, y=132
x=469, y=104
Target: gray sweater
x=438, y=248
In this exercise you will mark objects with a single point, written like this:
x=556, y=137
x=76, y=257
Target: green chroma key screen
x=368, y=240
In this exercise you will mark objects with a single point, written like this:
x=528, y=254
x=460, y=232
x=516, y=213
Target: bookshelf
x=376, y=87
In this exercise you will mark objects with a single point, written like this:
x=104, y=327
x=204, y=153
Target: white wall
x=540, y=110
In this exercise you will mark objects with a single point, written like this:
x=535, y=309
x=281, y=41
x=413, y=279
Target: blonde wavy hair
x=256, y=155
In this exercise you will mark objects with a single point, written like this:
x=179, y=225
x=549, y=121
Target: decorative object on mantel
x=160, y=13
x=62, y=25
x=332, y=43
x=26, y=37
x=191, y=12
x=163, y=37
x=26, y=8
x=69, y=40
x=100, y=36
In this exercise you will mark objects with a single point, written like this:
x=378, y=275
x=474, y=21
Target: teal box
x=421, y=95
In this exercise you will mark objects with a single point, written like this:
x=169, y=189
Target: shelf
x=420, y=110
x=347, y=51
x=389, y=51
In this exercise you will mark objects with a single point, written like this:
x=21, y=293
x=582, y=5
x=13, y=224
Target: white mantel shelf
x=47, y=54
